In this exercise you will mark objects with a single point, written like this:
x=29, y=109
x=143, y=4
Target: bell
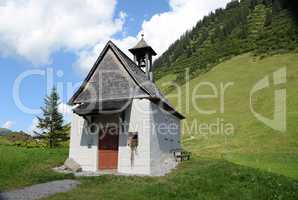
x=143, y=63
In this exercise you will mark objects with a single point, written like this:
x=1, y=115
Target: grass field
x=252, y=144
x=21, y=167
x=197, y=179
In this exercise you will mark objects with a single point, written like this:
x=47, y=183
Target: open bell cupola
x=143, y=57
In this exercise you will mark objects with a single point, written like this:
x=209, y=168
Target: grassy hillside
x=22, y=167
x=252, y=143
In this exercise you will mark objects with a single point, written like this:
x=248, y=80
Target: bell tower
x=143, y=54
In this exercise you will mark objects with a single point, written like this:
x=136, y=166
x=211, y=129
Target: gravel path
x=40, y=191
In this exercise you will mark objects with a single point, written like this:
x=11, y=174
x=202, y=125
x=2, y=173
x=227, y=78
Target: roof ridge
x=137, y=75
x=89, y=75
x=122, y=54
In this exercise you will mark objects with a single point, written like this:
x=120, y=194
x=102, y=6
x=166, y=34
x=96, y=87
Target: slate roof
x=148, y=88
x=104, y=106
x=142, y=44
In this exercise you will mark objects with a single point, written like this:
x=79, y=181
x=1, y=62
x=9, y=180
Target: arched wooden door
x=108, y=149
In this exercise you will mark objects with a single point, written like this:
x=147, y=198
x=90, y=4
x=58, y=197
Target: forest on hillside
x=263, y=27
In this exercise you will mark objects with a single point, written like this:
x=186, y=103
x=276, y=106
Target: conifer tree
x=276, y=7
x=51, y=123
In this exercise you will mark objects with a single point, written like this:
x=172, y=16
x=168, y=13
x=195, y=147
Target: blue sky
x=66, y=37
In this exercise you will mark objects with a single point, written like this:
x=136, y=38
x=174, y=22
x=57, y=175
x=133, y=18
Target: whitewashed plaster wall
x=165, y=138
x=83, y=146
x=138, y=118
x=158, y=134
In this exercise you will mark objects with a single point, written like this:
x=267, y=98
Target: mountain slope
x=4, y=131
x=252, y=142
x=264, y=27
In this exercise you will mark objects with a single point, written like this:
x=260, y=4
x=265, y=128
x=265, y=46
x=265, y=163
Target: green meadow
x=21, y=167
x=252, y=143
x=199, y=178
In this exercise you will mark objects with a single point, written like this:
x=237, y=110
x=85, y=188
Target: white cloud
x=66, y=111
x=8, y=125
x=87, y=58
x=161, y=30
x=34, y=29
x=33, y=127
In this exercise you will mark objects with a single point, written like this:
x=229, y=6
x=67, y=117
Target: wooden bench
x=181, y=155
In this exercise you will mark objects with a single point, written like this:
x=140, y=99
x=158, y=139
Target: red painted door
x=108, y=149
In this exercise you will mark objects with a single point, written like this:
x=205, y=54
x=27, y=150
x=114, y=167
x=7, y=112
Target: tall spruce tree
x=51, y=123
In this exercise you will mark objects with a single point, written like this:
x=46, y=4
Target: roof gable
x=108, y=79
x=114, y=76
